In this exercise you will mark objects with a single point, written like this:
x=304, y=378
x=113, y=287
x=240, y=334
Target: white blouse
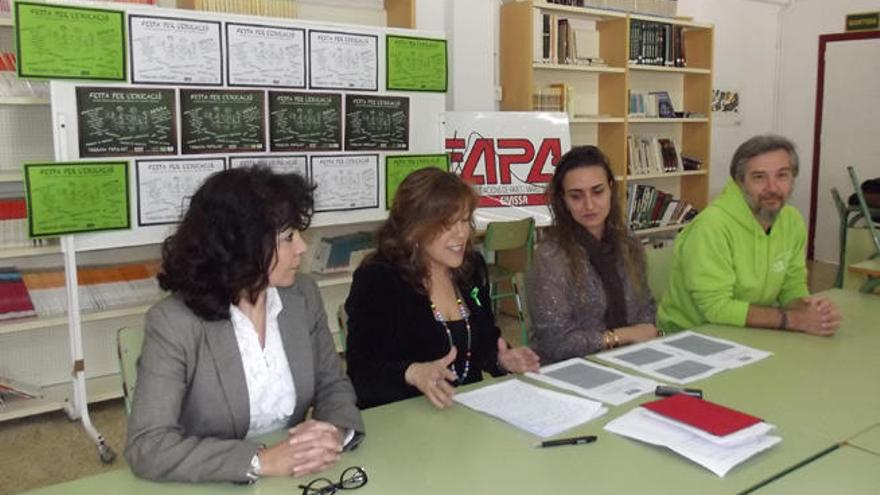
x=269, y=379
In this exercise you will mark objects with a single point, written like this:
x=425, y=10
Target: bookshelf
x=29, y=252
x=600, y=107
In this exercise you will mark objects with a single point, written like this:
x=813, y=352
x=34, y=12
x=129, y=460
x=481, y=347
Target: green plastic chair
x=129, y=341
x=871, y=282
x=509, y=236
x=659, y=267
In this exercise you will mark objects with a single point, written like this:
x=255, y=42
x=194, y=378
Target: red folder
x=707, y=416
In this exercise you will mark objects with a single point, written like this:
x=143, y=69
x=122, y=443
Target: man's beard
x=766, y=215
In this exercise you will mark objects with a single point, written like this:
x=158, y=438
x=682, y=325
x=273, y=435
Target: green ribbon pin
x=475, y=295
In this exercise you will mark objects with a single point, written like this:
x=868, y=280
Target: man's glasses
x=351, y=478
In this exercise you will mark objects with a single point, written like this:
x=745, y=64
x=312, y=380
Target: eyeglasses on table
x=351, y=478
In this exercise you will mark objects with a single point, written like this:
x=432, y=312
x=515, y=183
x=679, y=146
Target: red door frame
x=817, y=124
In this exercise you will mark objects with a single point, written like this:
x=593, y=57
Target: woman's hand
x=432, y=379
x=636, y=333
x=517, y=360
x=311, y=446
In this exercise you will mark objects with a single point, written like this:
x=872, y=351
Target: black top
x=391, y=326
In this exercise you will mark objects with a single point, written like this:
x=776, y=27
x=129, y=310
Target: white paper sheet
x=684, y=357
x=594, y=381
x=536, y=410
x=640, y=424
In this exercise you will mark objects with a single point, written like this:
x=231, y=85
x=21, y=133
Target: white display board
x=164, y=42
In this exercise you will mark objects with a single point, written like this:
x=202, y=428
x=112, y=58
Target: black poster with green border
x=126, y=121
x=376, y=123
x=221, y=121
x=300, y=121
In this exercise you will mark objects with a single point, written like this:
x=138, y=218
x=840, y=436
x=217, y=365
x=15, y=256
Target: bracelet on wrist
x=783, y=320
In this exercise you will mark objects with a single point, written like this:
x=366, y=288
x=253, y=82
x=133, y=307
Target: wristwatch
x=255, y=470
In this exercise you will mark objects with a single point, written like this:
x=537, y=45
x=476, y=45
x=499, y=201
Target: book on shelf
x=565, y=40
x=15, y=301
x=100, y=288
x=652, y=155
x=648, y=207
x=653, y=104
x=334, y=254
x=13, y=225
x=691, y=163
x=656, y=43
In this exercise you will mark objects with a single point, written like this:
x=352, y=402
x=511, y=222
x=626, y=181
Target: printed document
x=536, y=410
x=684, y=357
x=594, y=381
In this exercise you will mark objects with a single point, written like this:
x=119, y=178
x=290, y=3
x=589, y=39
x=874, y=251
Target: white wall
x=802, y=25
x=472, y=31
x=745, y=60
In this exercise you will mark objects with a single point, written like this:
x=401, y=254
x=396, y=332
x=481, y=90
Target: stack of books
x=648, y=207
x=13, y=225
x=100, y=288
x=715, y=437
x=271, y=8
x=652, y=155
x=15, y=301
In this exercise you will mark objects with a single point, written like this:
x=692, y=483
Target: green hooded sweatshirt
x=725, y=261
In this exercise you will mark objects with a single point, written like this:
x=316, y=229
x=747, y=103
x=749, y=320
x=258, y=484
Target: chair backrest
x=659, y=266
x=501, y=236
x=342, y=321
x=863, y=206
x=129, y=341
x=838, y=203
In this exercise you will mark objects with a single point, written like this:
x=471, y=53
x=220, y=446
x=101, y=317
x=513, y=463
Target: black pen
x=567, y=441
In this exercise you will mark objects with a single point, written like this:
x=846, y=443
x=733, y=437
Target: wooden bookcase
x=601, y=93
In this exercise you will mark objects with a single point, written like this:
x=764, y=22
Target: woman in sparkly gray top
x=587, y=288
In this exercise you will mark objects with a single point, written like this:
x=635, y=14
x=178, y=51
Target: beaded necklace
x=462, y=310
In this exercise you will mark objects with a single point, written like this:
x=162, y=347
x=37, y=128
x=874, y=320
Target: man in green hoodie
x=741, y=261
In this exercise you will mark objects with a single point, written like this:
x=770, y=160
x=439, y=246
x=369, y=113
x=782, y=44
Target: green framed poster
x=399, y=167
x=415, y=64
x=76, y=197
x=64, y=42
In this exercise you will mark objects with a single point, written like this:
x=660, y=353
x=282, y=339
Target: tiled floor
x=49, y=449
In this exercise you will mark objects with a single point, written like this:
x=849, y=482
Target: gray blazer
x=190, y=412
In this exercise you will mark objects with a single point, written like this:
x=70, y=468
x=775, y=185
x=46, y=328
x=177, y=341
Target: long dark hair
x=426, y=203
x=226, y=242
x=564, y=225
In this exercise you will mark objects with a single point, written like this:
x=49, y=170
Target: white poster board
x=509, y=157
x=235, y=38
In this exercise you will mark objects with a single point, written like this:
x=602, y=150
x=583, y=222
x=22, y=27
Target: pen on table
x=567, y=441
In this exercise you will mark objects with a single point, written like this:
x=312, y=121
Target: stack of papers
x=711, y=435
x=684, y=357
x=536, y=410
x=594, y=381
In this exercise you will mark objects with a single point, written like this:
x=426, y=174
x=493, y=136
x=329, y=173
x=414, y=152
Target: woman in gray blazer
x=241, y=346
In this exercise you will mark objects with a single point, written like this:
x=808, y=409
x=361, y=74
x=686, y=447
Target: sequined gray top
x=568, y=321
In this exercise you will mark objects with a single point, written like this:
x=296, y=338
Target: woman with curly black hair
x=419, y=315
x=241, y=346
